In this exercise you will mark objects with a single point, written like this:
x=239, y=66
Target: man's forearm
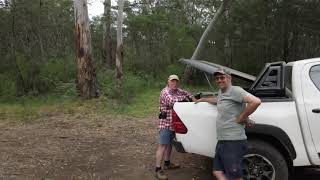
x=211, y=100
x=251, y=107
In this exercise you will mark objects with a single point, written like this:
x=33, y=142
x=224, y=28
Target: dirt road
x=88, y=146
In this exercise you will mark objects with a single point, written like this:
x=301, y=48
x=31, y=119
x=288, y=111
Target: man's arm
x=162, y=106
x=169, y=99
x=211, y=100
x=252, y=104
x=188, y=95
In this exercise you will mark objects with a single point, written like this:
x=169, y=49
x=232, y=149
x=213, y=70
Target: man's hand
x=241, y=119
x=198, y=100
x=249, y=123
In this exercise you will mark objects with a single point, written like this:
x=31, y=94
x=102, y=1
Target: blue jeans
x=166, y=136
x=229, y=158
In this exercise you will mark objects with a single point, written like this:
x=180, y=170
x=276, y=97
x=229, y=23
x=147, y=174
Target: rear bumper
x=178, y=146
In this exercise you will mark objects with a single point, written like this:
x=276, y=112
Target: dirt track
x=91, y=147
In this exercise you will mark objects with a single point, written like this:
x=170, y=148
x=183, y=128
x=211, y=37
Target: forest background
x=38, y=68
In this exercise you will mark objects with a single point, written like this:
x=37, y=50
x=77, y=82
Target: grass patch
x=17, y=112
x=143, y=105
x=27, y=109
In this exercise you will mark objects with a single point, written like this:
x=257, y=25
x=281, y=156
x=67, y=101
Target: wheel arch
x=275, y=137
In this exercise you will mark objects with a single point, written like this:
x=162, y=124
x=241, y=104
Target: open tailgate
x=210, y=68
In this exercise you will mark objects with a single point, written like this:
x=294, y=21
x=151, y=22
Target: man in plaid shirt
x=168, y=96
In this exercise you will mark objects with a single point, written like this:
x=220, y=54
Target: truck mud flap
x=178, y=146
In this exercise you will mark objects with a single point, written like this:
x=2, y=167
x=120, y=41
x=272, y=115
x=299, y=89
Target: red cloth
x=167, y=99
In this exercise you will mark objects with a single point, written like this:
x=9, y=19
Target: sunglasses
x=220, y=78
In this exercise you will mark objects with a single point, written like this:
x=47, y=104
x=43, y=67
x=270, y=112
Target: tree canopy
x=38, y=51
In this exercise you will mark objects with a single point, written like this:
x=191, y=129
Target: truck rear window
x=315, y=75
x=288, y=77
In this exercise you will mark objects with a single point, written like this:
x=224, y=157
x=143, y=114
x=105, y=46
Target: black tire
x=259, y=154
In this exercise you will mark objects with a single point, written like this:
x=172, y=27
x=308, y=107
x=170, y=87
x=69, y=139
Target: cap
x=221, y=71
x=172, y=77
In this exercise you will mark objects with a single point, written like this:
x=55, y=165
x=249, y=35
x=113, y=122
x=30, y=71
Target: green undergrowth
x=139, y=98
x=27, y=109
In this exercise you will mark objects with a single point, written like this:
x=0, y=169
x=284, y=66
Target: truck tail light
x=178, y=125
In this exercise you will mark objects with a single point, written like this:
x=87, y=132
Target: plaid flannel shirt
x=167, y=99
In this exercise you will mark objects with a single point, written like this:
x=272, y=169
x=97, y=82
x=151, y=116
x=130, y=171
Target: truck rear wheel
x=264, y=162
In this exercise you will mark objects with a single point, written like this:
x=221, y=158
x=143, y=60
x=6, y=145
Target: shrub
x=132, y=85
x=58, y=70
x=7, y=86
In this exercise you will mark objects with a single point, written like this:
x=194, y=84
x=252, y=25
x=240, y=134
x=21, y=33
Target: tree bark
x=39, y=33
x=205, y=35
x=86, y=75
x=20, y=84
x=107, y=43
x=119, y=53
x=227, y=40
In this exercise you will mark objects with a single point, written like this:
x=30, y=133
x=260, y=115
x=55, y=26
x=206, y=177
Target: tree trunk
x=20, y=83
x=6, y=3
x=39, y=33
x=86, y=75
x=119, y=53
x=285, y=36
x=205, y=35
x=227, y=41
x=286, y=29
x=107, y=43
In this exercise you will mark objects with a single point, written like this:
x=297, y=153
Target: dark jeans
x=229, y=158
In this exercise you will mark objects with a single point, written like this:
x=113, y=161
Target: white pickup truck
x=287, y=129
